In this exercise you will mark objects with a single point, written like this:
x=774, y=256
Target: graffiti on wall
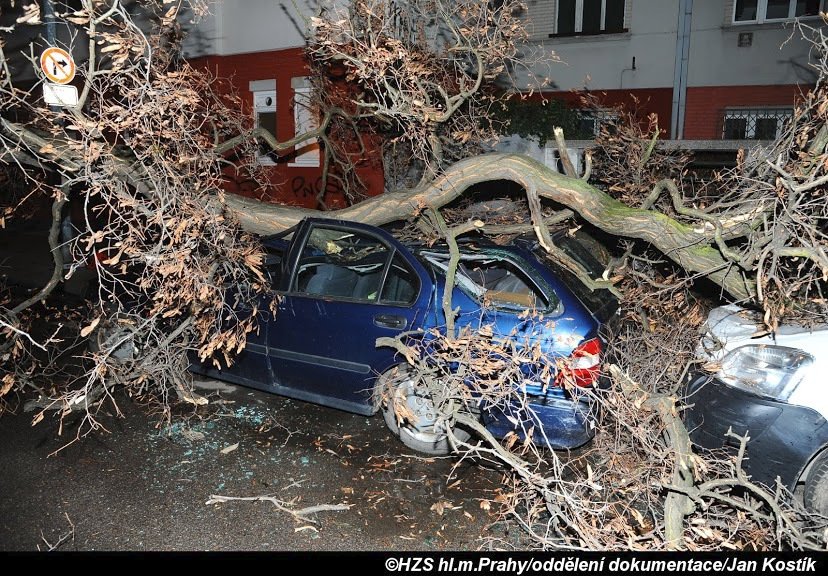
x=302, y=187
x=243, y=186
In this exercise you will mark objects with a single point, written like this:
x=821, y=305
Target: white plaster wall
x=243, y=26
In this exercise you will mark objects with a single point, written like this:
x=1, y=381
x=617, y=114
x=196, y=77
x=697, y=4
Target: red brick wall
x=296, y=185
x=706, y=105
x=658, y=100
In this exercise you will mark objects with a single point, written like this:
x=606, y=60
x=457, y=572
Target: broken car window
x=341, y=264
x=495, y=281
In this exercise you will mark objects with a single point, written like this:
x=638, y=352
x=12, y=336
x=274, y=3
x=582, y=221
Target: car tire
x=815, y=496
x=418, y=436
x=108, y=334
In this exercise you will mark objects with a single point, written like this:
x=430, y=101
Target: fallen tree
x=691, y=246
x=143, y=153
x=133, y=158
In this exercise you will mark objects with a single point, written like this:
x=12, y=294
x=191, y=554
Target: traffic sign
x=59, y=95
x=57, y=65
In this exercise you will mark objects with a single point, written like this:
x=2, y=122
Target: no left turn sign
x=57, y=65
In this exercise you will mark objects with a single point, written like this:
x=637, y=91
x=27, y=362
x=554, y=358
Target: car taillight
x=583, y=366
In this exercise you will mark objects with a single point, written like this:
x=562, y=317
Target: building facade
x=712, y=70
x=720, y=74
x=258, y=46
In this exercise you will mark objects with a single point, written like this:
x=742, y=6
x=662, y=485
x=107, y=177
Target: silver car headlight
x=772, y=371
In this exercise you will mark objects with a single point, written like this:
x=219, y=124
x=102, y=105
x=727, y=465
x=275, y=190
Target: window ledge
x=684, y=144
x=715, y=145
x=579, y=38
x=767, y=25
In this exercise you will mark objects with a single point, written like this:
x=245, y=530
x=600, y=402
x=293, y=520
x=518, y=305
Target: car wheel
x=113, y=334
x=419, y=433
x=815, y=496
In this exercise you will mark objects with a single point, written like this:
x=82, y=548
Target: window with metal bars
x=590, y=122
x=264, y=110
x=754, y=123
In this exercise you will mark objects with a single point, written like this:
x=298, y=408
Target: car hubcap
x=422, y=414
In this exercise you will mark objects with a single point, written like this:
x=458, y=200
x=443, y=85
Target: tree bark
x=689, y=247
x=677, y=505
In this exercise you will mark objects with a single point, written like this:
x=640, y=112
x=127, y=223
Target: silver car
x=771, y=387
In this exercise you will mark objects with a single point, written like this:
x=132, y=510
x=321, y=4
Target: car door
x=348, y=285
x=250, y=366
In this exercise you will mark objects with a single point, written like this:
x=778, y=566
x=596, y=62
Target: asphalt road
x=144, y=485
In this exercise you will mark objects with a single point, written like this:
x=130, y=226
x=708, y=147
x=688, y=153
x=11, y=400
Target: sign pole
x=49, y=20
x=51, y=37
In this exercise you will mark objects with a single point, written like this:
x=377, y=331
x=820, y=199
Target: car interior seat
x=367, y=286
x=332, y=280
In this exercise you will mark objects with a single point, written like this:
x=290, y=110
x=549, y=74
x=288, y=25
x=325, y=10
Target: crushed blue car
x=342, y=285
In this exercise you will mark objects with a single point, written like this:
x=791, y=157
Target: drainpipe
x=685, y=19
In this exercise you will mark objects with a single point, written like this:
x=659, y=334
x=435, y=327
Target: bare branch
x=302, y=514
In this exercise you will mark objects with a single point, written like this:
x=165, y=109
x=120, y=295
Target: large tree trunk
x=691, y=248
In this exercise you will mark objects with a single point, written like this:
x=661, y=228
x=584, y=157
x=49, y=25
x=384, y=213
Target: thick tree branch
x=682, y=243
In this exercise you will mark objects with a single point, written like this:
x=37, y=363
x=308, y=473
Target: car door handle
x=390, y=321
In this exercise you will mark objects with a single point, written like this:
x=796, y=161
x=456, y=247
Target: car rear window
x=495, y=281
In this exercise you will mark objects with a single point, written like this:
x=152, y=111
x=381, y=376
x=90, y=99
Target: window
x=758, y=11
x=754, y=123
x=590, y=122
x=401, y=285
x=593, y=257
x=346, y=265
x=264, y=110
x=552, y=158
x=503, y=285
x=305, y=120
x=589, y=17
x=494, y=281
x=273, y=267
